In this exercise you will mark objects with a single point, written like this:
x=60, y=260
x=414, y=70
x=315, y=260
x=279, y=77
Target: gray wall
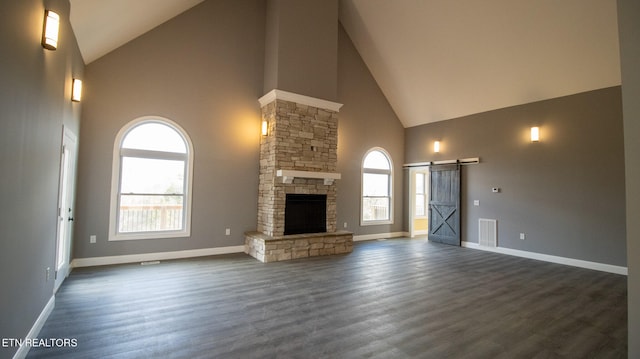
x=35, y=102
x=628, y=15
x=301, y=47
x=203, y=70
x=566, y=193
x=366, y=120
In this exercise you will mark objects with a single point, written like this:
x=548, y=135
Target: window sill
x=148, y=235
x=375, y=223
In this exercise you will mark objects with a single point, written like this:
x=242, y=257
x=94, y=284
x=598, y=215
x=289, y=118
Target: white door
x=65, y=206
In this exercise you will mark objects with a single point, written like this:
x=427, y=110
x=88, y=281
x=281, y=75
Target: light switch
x=476, y=202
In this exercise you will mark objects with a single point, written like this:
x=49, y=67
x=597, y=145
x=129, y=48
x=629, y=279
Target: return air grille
x=488, y=235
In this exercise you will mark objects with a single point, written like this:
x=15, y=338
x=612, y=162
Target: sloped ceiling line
x=433, y=59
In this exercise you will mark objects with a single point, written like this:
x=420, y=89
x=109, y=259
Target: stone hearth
x=297, y=156
x=272, y=249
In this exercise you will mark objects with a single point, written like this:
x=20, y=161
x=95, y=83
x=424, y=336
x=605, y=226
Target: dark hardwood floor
x=388, y=299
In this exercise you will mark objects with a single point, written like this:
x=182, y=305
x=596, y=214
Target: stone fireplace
x=298, y=158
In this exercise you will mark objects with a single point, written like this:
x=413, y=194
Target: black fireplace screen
x=305, y=213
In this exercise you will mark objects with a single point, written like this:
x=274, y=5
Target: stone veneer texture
x=268, y=249
x=302, y=138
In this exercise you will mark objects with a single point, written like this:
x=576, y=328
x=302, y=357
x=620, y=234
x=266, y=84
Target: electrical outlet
x=522, y=236
x=344, y=225
x=476, y=202
x=227, y=231
x=48, y=273
x=92, y=238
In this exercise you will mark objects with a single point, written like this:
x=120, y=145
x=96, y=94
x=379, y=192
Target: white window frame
x=388, y=172
x=114, y=235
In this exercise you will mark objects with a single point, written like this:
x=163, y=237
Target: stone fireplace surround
x=297, y=156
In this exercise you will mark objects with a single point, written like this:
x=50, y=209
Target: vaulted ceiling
x=442, y=59
x=433, y=59
x=101, y=26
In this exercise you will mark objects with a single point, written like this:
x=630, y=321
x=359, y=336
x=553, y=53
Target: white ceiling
x=441, y=59
x=433, y=59
x=101, y=26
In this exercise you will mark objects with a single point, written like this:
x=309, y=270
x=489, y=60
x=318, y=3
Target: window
x=376, y=188
x=151, y=181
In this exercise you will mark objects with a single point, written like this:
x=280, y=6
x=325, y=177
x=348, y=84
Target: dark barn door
x=444, y=204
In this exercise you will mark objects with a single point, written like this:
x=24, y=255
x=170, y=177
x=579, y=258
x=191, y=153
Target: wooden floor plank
x=388, y=299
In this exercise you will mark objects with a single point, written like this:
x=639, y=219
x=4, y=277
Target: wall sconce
x=76, y=90
x=436, y=146
x=265, y=127
x=535, y=134
x=50, y=30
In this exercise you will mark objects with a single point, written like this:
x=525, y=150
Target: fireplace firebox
x=305, y=213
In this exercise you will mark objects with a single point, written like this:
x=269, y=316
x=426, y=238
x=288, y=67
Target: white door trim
x=66, y=196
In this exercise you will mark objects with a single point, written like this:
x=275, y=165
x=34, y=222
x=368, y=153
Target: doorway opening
x=419, y=202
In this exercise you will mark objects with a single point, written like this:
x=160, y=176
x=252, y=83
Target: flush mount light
x=76, y=90
x=50, y=30
x=265, y=127
x=436, y=146
x=535, y=134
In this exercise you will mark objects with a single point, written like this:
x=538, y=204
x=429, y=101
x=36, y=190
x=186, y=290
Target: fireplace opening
x=305, y=213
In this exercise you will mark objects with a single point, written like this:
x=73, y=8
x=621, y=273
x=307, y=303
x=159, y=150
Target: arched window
x=151, y=181
x=377, y=178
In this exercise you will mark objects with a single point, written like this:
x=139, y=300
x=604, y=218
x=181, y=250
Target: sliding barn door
x=444, y=204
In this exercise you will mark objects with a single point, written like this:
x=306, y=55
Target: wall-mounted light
x=76, y=90
x=535, y=134
x=436, y=146
x=50, y=30
x=265, y=127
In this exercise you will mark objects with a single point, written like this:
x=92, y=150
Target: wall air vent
x=488, y=233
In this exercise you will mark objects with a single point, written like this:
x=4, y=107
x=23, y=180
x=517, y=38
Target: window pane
x=144, y=175
x=150, y=213
x=375, y=185
x=377, y=160
x=375, y=209
x=154, y=137
x=420, y=183
x=420, y=210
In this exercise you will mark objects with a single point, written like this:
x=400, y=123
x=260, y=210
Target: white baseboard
x=133, y=258
x=35, y=329
x=369, y=237
x=423, y=232
x=549, y=258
